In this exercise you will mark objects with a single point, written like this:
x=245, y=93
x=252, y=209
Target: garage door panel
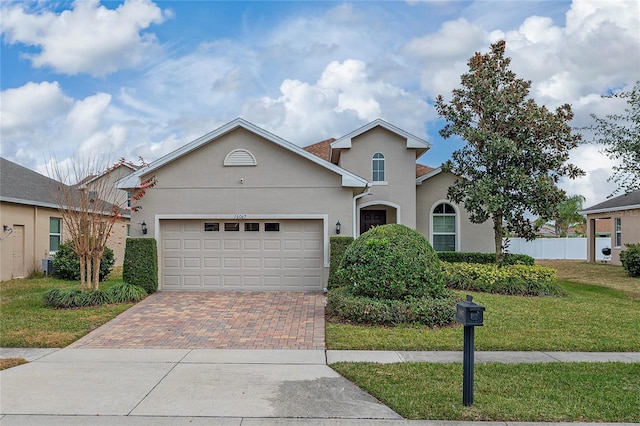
x=211, y=244
x=288, y=256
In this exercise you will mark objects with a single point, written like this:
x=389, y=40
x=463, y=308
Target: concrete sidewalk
x=208, y=386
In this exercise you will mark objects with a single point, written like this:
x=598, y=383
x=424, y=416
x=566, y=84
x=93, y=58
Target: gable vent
x=240, y=157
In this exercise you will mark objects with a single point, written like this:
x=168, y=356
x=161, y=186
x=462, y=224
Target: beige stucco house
x=31, y=227
x=622, y=214
x=243, y=209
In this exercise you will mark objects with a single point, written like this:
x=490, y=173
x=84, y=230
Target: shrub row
x=140, y=266
x=485, y=258
x=337, y=247
x=343, y=305
x=630, y=259
x=74, y=298
x=66, y=264
x=520, y=280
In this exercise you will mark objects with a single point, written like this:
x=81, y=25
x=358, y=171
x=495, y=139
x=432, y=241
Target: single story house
x=31, y=224
x=622, y=213
x=243, y=209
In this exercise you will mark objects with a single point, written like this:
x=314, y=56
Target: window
x=377, y=167
x=211, y=226
x=55, y=234
x=128, y=230
x=129, y=199
x=618, y=232
x=444, y=227
x=251, y=226
x=272, y=227
x=232, y=226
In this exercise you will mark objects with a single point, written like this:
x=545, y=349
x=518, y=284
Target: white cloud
x=344, y=97
x=89, y=38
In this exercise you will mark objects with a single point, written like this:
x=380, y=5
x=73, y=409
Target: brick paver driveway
x=216, y=320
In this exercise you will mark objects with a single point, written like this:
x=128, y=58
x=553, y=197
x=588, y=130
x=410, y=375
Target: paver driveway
x=216, y=320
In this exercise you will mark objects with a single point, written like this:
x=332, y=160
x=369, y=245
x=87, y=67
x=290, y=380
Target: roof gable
x=413, y=142
x=133, y=180
x=622, y=202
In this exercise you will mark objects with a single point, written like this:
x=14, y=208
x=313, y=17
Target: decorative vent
x=240, y=157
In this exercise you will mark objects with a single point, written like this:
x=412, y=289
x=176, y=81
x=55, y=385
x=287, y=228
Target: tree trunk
x=498, y=233
x=95, y=282
x=82, y=273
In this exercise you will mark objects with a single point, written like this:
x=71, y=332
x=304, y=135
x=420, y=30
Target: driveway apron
x=216, y=320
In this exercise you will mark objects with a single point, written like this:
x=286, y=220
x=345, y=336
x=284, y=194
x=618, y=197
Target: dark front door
x=371, y=218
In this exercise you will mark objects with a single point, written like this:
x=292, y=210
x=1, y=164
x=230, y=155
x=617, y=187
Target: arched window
x=444, y=227
x=377, y=167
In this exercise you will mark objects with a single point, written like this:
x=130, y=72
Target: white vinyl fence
x=557, y=248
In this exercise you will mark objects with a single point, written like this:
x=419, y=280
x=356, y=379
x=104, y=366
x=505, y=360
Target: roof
x=321, y=149
x=23, y=186
x=431, y=173
x=627, y=201
x=421, y=170
x=134, y=179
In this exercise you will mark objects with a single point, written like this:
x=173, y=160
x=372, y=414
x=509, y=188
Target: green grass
x=558, y=392
x=26, y=322
x=590, y=318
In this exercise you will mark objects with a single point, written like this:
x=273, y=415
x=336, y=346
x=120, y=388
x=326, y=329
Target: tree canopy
x=620, y=134
x=515, y=151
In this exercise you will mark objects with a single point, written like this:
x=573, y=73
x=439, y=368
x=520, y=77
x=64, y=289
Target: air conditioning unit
x=47, y=266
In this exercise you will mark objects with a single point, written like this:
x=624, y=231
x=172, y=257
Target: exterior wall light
x=144, y=227
x=338, y=225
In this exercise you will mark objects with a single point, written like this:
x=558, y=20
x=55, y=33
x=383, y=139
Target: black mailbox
x=468, y=313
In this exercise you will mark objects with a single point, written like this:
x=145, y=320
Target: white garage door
x=257, y=255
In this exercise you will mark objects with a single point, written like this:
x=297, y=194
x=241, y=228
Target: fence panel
x=557, y=248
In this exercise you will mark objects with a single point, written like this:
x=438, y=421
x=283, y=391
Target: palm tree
x=568, y=215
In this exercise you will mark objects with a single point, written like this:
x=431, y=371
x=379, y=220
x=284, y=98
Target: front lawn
x=27, y=323
x=590, y=318
x=554, y=392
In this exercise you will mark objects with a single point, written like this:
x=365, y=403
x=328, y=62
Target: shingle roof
x=621, y=202
x=422, y=170
x=21, y=185
x=321, y=149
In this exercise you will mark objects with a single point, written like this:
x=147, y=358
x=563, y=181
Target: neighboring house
x=242, y=209
x=31, y=225
x=622, y=214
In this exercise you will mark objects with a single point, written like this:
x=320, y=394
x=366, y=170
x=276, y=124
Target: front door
x=371, y=218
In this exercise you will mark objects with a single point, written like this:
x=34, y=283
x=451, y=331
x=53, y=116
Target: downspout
x=355, y=210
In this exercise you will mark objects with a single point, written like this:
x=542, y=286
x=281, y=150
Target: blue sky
x=143, y=78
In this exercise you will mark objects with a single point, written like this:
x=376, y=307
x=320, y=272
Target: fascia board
x=611, y=209
x=413, y=142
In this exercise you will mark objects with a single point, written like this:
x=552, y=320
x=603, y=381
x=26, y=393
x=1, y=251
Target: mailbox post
x=470, y=315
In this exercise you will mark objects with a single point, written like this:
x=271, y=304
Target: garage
x=241, y=254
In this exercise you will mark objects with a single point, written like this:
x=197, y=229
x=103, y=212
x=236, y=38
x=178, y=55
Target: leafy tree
x=516, y=151
x=620, y=134
x=567, y=215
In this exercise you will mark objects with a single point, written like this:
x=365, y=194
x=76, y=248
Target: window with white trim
x=378, y=167
x=55, y=233
x=618, y=222
x=444, y=227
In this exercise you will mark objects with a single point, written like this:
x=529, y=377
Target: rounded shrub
x=392, y=262
x=630, y=259
x=66, y=264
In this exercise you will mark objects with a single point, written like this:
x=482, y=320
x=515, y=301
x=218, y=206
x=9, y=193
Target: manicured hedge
x=630, y=258
x=140, y=266
x=392, y=262
x=485, y=258
x=344, y=306
x=337, y=247
x=66, y=264
x=521, y=280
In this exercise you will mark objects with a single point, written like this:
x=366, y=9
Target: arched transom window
x=378, y=167
x=444, y=227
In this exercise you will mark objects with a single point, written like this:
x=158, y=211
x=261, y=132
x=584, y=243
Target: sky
x=135, y=79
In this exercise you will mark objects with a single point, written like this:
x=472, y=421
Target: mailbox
x=468, y=313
